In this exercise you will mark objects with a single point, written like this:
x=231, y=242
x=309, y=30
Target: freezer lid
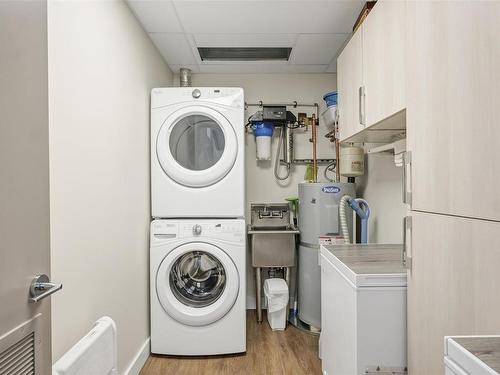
x=368, y=265
x=478, y=355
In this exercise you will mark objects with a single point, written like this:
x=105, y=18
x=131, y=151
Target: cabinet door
x=349, y=81
x=453, y=96
x=384, y=60
x=452, y=285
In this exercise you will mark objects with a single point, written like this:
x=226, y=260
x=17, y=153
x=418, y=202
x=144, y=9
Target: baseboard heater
x=94, y=354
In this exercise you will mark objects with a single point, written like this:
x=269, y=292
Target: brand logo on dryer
x=330, y=189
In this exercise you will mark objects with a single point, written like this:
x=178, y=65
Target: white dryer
x=198, y=288
x=197, y=152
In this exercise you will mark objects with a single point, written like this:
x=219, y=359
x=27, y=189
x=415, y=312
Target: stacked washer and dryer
x=198, y=249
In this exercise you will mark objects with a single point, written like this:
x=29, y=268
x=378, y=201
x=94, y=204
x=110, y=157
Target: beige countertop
x=370, y=258
x=486, y=349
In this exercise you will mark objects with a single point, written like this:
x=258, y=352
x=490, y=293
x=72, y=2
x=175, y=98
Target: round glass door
x=197, y=142
x=197, y=283
x=196, y=146
x=197, y=279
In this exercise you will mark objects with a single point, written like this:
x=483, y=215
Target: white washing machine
x=198, y=288
x=197, y=152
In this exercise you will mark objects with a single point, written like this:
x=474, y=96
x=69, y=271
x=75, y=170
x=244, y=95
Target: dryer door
x=196, y=146
x=197, y=283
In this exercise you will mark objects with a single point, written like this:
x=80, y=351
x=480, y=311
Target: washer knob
x=197, y=229
x=196, y=93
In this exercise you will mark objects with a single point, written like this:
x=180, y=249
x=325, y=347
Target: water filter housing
x=263, y=132
x=318, y=216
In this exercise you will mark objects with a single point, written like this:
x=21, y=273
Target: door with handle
x=25, y=340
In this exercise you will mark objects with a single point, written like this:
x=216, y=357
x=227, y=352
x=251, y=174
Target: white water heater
x=318, y=216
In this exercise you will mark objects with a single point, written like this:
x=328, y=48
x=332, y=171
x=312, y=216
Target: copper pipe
x=314, y=141
x=337, y=157
x=337, y=151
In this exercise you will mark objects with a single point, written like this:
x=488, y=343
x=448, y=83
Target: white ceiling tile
x=245, y=40
x=178, y=27
x=317, y=48
x=250, y=17
x=174, y=48
x=156, y=16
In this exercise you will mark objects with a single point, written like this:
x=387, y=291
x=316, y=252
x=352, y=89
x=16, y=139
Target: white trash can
x=276, y=292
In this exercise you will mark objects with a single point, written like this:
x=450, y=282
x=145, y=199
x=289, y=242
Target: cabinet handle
x=407, y=259
x=407, y=196
x=361, y=105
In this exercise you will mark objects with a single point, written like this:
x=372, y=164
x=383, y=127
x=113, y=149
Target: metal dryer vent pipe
x=185, y=77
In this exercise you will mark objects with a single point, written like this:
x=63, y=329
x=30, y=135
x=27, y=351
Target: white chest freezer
x=472, y=355
x=363, y=309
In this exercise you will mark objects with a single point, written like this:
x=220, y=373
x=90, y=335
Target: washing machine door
x=197, y=283
x=196, y=146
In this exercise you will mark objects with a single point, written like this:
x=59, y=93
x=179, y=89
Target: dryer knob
x=197, y=229
x=196, y=93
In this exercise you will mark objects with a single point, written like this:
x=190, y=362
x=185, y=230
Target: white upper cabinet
x=349, y=81
x=384, y=61
x=371, y=77
x=453, y=107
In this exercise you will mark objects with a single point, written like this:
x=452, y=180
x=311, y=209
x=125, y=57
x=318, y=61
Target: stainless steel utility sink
x=272, y=247
x=272, y=242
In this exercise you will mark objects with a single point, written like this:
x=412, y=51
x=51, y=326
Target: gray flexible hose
x=330, y=167
x=277, y=161
x=343, y=218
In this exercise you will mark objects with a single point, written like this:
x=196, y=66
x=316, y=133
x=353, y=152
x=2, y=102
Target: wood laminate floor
x=287, y=352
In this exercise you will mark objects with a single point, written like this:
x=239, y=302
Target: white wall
x=101, y=69
x=382, y=187
x=261, y=186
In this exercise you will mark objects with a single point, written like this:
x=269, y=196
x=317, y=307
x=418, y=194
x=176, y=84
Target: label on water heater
x=330, y=189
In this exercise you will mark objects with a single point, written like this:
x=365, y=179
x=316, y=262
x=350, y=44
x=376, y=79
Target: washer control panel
x=189, y=229
x=223, y=229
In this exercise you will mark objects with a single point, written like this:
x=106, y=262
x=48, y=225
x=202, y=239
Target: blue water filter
x=330, y=98
x=330, y=114
x=263, y=132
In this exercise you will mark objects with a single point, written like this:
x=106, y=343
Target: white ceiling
x=316, y=31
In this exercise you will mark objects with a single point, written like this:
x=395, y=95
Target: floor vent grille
x=19, y=359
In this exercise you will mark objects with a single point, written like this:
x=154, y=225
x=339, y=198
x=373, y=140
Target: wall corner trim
x=140, y=359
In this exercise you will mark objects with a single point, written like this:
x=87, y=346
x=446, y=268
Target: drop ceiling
x=315, y=30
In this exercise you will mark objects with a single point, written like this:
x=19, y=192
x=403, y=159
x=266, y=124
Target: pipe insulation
x=362, y=209
x=344, y=229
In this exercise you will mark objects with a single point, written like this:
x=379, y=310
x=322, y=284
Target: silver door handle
x=41, y=287
x=361, y=105
x=407, y=258
x=407, y=195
